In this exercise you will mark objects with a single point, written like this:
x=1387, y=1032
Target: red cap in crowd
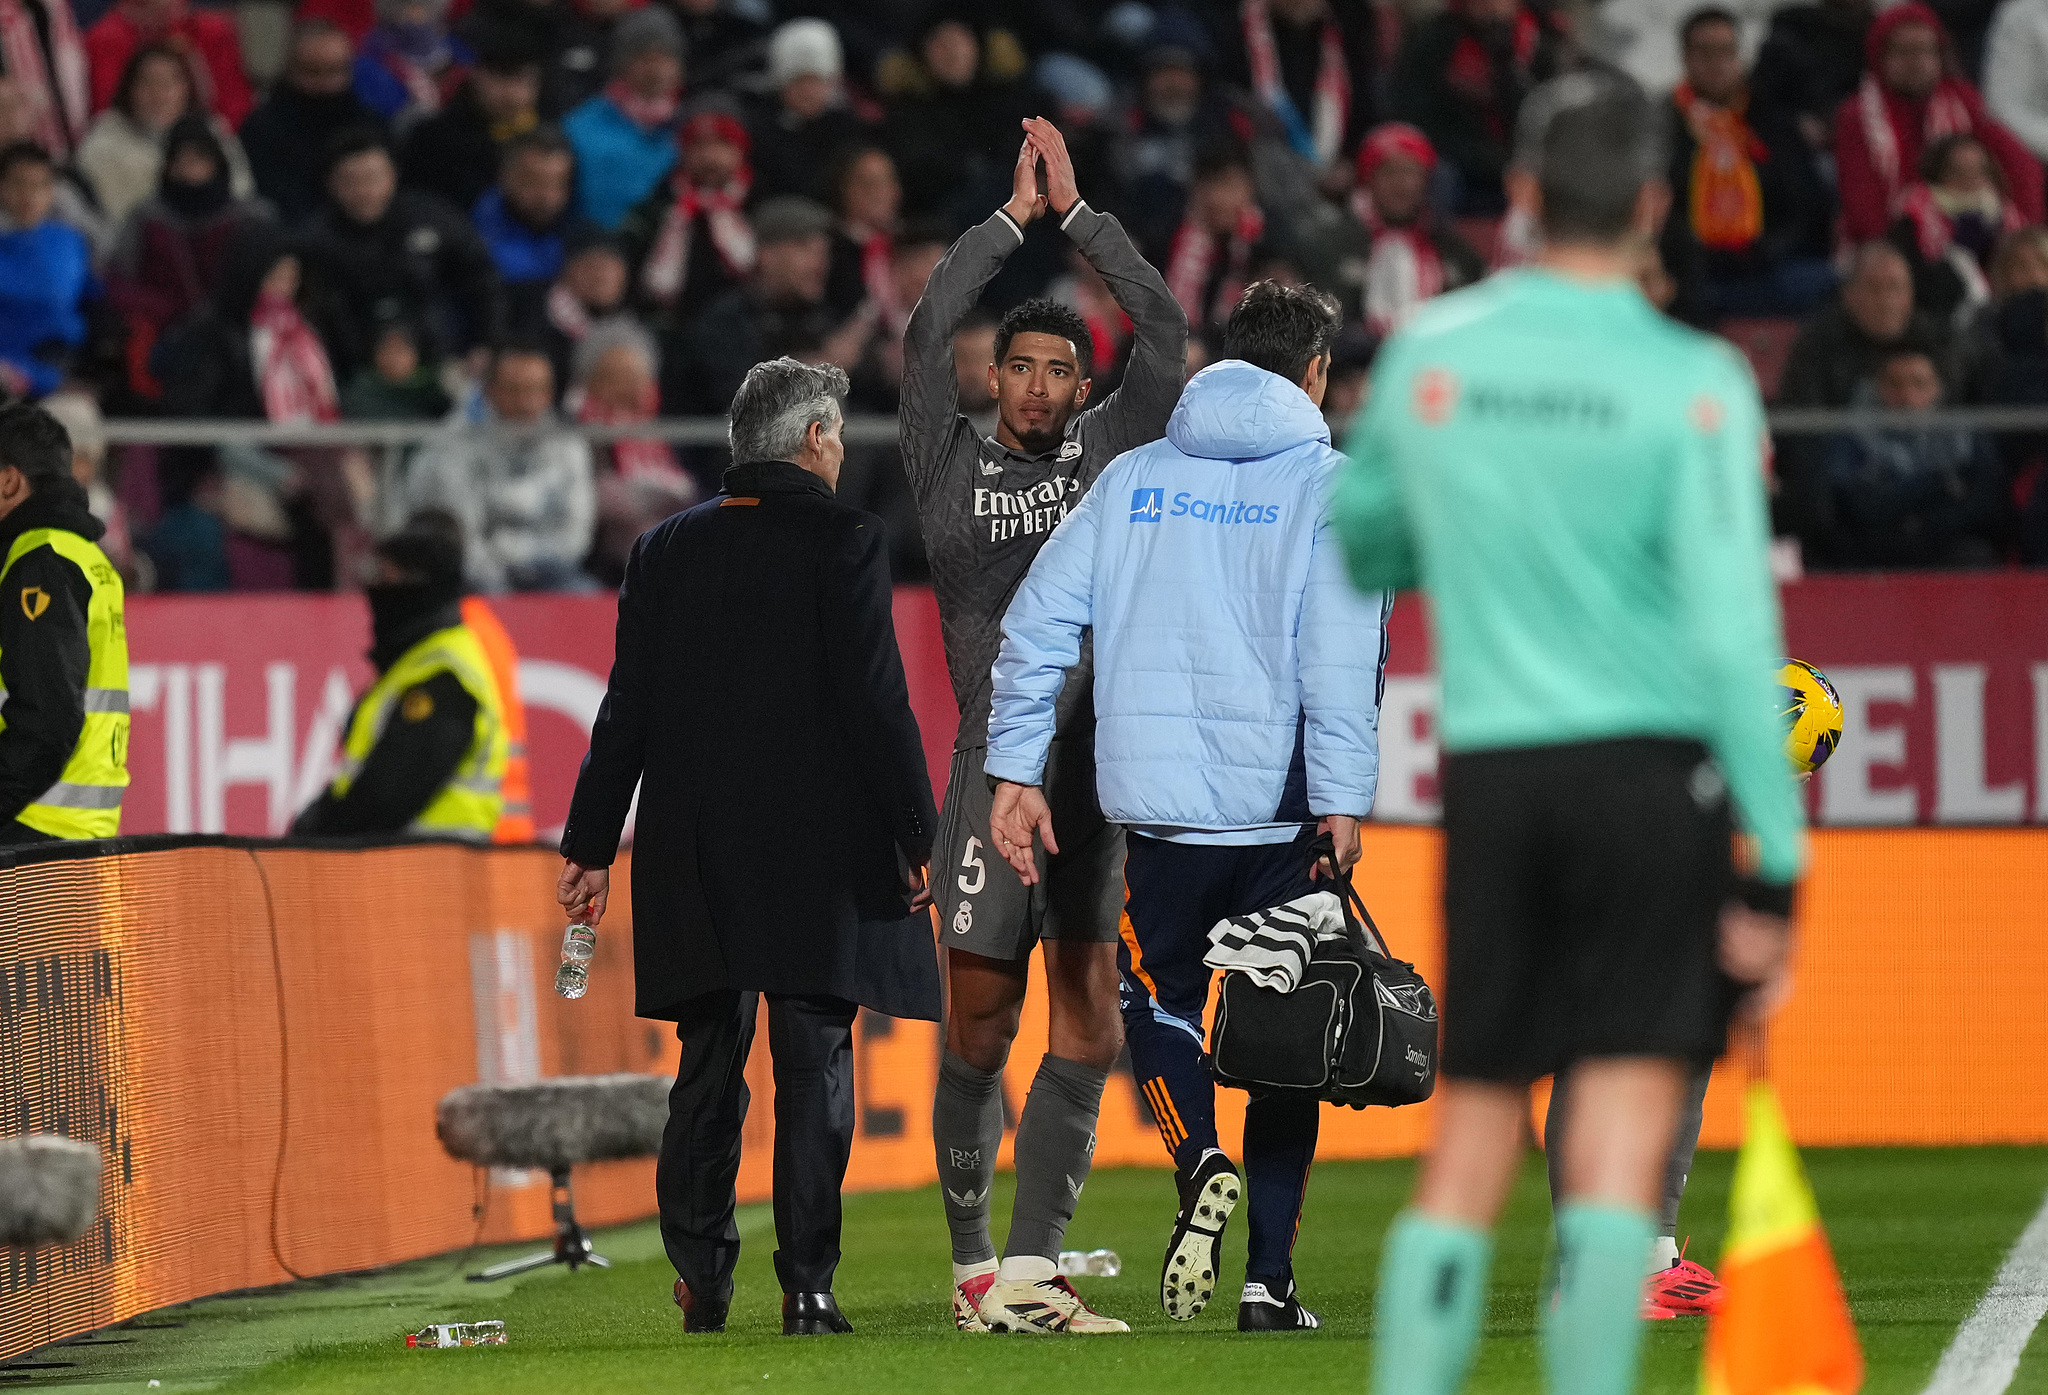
x=1897, y=17
x=1390, y=139
x=718, y=126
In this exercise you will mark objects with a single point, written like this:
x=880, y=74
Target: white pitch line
x=1985, y=1353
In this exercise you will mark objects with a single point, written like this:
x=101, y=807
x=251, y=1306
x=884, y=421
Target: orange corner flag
x=1783, y=1327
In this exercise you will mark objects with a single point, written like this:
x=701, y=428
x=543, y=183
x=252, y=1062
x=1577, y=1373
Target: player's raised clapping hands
x=1043, y=145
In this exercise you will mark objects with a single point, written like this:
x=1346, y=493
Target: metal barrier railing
x=869, y=430
x=1826, y=421
x=680, y=431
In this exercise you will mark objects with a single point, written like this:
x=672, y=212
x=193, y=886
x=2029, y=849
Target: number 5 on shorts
x=970, y=857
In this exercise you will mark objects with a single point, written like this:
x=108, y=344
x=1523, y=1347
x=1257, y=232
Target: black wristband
x=996, y=782
x=1771, y=898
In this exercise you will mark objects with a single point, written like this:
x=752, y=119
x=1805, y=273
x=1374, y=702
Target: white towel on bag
x=1274, y=946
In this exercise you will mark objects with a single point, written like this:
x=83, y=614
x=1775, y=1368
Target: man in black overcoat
x=757, y=698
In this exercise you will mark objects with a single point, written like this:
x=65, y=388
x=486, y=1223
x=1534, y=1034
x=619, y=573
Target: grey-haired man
x=756, y=667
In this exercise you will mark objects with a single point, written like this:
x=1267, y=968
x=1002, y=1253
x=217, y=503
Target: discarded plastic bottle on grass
x=579, y=943
x=1090, y=1264
x=459, y=1334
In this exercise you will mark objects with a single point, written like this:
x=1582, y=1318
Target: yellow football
x=1812, y=713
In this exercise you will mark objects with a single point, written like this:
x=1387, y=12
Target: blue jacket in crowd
x=521, y=254
x=1237, y=674
x=45, y=279
x=616, y=161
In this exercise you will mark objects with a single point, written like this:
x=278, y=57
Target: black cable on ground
x=284, y=1069
x=480, y=1199
x=480, y=1207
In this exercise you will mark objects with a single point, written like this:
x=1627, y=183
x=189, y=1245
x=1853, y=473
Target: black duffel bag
x=1359, y=1028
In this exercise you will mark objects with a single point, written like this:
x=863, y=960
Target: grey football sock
x=1691, y=1115
x=1055, y=1146
x=967, y=1130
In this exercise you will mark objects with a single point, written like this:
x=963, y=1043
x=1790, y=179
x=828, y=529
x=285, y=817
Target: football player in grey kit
x=987, y=503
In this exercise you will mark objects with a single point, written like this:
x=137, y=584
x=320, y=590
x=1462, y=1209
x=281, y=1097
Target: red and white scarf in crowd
x=1108, y=325
x=645, y=112
x=294, y=377
x=1319, y=137
x=424, y=94
x=635, y=458
x=1933, y=217
x=1947, y=115
x=1191, y=262
x=567, y=313
x=1470, y=70
x=668, y=264
x=1403, y=268
x=878, y=277
x=53, y=83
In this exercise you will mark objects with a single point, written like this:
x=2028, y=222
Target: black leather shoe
x=701, y=1314
x=812, y=1315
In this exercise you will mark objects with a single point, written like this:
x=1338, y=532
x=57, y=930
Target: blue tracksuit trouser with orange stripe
x=1174, y=893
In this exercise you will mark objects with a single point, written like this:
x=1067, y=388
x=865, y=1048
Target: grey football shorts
x=983, y=907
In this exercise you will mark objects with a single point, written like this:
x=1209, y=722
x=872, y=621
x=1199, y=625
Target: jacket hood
x=1233, y=411
x=194, y=201
x=1908, y=12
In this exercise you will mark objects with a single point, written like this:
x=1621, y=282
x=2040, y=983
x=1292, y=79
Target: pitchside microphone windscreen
x=49, y=1189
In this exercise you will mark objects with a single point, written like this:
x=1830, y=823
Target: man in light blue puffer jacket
x=1237, y=686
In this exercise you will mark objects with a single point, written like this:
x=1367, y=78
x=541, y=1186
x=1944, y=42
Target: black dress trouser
x=811, y=1041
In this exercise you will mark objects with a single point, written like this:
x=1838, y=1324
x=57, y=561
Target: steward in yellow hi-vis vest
x=63, y=646
x=426, y=747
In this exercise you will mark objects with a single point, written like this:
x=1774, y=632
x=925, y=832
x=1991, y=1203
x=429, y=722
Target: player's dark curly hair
x=1280, y=328
x=1040, y=315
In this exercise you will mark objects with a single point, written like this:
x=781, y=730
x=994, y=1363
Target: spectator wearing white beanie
x=2016, y=71
x=805, y=48
x=801, y=130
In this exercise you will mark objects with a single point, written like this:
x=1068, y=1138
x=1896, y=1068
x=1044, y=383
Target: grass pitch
x=1918, y=1234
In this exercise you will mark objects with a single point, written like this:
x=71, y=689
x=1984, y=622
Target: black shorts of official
x=983, y=907
x=1583, y=889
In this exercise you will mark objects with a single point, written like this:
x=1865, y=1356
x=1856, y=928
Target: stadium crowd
x=532, y=213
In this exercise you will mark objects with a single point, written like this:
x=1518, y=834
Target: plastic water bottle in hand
x=1090, y=1264
x=579, y=942
x=459, y=1334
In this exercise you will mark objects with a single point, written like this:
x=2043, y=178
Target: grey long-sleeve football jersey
x=986, y=509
